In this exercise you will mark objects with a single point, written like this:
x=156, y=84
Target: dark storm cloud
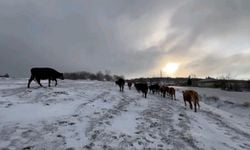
x=75, y=35
x=113, y=35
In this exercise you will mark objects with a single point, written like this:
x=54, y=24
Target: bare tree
x=226, y=84
x=108, y=76
x=100, y=76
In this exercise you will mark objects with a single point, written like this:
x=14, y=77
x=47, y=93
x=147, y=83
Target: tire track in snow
x=98, y=97
x=14, y=91
x=159, y=120
x=217, y=118
x=235, y=134
x=96, y=130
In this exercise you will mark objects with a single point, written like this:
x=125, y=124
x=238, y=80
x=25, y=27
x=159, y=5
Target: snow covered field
x=95, y=115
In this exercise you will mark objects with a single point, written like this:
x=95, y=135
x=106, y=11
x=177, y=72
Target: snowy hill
x=95, y=115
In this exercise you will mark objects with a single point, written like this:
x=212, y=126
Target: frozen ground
x=95, y=115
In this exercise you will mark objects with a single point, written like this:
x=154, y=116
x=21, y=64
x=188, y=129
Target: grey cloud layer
x=236, y=65
x=99, y=35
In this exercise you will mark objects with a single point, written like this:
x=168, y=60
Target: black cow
x=154, y=88
x=142, y=87
x=44, y=73
x=129, y=85
x=120, y=82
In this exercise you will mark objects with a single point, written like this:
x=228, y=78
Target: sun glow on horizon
x=170, y=68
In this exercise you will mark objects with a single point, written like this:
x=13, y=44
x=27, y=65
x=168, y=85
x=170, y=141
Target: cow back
x=45, y=73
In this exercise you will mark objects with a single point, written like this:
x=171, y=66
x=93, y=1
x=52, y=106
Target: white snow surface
x=83, y=114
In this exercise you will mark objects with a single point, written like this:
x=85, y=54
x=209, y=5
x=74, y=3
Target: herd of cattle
x=189, y=96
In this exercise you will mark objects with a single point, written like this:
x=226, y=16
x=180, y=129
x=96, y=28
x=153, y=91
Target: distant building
x=230, y=85
x=209, y=82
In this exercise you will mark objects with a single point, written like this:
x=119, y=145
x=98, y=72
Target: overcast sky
x=128, y=37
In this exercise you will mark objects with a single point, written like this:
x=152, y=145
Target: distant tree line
x=5, y=75
x=225, y=82
x=84, y=75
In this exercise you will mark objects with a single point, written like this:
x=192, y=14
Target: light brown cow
x=192, y=97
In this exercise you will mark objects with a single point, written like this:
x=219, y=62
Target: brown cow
x=163, y=90
x=168, y=91
x=192, y=97
x=171, y=92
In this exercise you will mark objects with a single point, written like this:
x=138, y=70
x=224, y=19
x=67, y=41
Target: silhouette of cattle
x=154, y=88
x=163, y=90
x=44, y=73
x=142, y=87
x=171, y=92
x=129, y=85
x=192, y=97
x=120, y=82
x=137, y=87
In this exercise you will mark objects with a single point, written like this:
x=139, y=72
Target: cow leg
x=195, y=109
x=191, y=106
x=55, y=82
x=30, y=80
x=198, y=104
x=38, y=81
x=185, y=103
x=49, y=82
